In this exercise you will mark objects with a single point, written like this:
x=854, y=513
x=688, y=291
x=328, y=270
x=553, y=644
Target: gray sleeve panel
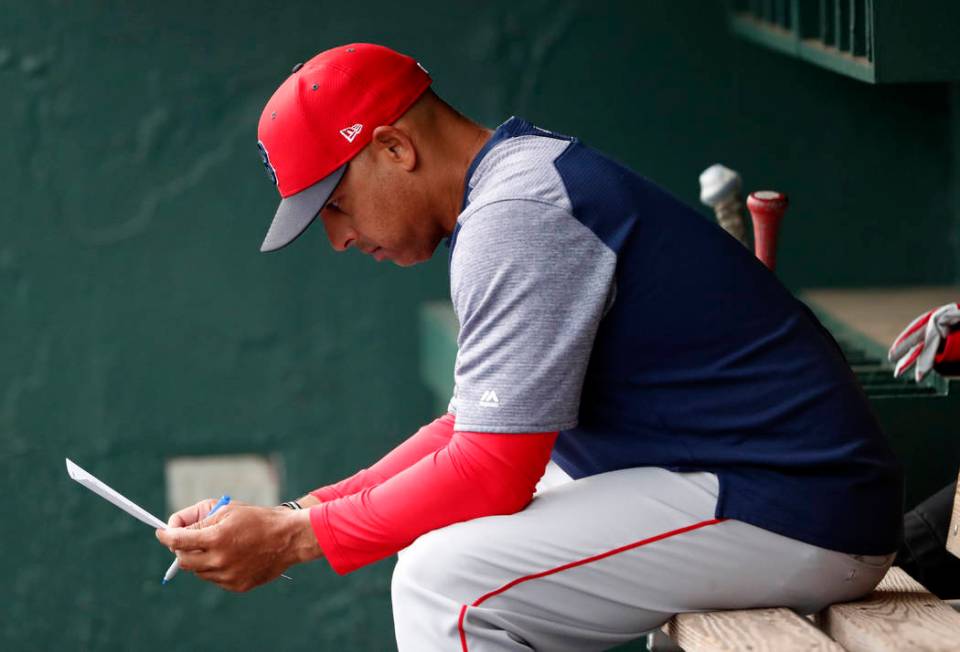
x=529, y=284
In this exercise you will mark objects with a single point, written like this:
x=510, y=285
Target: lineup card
x=109, y=494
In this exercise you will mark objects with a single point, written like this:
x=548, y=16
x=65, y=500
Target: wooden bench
x=899, y=615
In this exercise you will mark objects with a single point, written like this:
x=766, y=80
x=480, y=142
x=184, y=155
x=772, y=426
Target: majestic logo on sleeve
x=489, y=399
x=266, y=162
x=351, y=132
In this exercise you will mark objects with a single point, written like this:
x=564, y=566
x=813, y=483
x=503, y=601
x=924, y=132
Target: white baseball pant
x=596, y=562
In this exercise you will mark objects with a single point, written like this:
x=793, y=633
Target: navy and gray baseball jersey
x=594, y=303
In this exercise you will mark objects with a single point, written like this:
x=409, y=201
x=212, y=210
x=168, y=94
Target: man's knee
x=433, y=563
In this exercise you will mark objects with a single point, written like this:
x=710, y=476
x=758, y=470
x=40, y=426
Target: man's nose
x=340, y=235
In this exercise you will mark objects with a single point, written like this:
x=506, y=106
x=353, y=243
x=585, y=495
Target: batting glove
x=921, y=341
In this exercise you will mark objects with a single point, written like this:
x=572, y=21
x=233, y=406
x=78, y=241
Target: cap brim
x=296, y=212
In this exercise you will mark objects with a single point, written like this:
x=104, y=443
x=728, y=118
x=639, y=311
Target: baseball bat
x=720, y=190
x=766, y=208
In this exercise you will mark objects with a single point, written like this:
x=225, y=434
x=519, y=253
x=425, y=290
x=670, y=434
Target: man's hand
x=190, y=515
x=241, y=546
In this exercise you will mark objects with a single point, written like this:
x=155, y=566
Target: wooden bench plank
x=758, y=630
x=953, y=534
x=899, y=615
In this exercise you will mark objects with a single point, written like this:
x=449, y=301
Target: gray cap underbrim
x=296, y=212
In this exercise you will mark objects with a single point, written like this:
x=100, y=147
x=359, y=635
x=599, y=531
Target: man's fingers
x=210, y=521
x=226, y=581
x=192, y=514
x=199, y=561
x=198, y=535
x=187, y=538
x=215, y=575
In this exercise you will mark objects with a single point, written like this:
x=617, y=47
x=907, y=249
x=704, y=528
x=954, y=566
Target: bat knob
x=720, y=190
x=717, y=183
x=766, y=208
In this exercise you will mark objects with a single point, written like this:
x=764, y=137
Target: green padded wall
x=140, y=322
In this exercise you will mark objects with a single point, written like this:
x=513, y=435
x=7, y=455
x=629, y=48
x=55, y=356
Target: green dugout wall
x=140, y=322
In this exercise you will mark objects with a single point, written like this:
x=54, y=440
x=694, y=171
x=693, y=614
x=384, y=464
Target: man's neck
x=466, y=144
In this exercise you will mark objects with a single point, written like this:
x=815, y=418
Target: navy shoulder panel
x=512, y=128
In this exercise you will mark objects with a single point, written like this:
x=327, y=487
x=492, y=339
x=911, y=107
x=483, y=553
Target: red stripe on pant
x=574, y=564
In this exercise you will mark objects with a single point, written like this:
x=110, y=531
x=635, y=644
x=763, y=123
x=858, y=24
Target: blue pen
x=175, y=566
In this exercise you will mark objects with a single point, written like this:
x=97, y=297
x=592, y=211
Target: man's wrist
x=308, y=501
x=298, y=531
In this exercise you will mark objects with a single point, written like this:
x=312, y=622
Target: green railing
x=871, y=40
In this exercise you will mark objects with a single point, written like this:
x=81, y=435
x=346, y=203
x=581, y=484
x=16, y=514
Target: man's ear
x=395, y=145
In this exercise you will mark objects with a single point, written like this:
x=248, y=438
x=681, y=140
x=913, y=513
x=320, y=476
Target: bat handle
x=766, y=208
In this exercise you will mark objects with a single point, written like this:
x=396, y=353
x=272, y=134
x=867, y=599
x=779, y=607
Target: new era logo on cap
x=351, y=132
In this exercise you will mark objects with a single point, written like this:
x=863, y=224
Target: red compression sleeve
x=475, y=474
x=428, y=439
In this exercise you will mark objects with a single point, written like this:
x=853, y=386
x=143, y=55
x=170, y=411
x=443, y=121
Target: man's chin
x=411, y=259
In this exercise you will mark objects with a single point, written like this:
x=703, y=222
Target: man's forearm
x=476, y=474
x=428, y=439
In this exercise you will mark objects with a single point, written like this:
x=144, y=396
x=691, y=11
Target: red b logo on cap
x=266, y=162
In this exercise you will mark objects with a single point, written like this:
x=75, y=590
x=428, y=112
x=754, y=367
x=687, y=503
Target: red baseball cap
x=321, y=117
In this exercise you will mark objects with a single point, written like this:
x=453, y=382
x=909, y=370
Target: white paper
x=107, y=493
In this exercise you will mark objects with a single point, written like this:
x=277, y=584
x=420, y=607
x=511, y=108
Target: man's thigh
x=596, y=561
x=553, y=476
